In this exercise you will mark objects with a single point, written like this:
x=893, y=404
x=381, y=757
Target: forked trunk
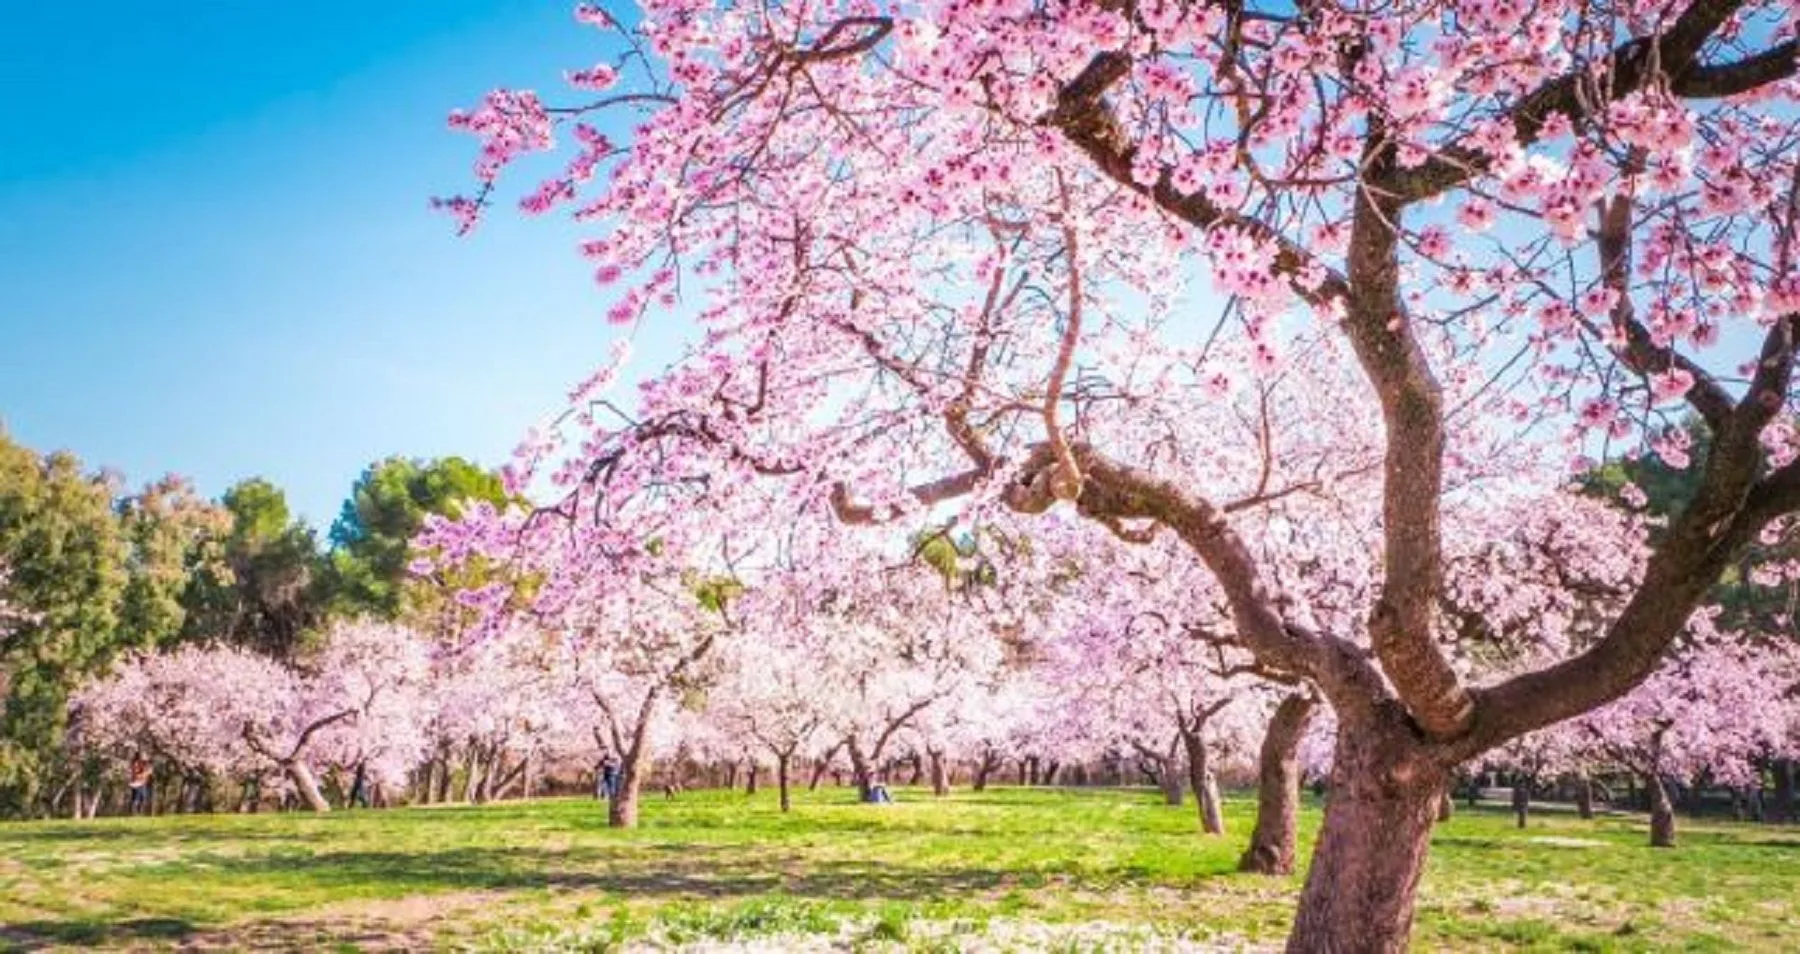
x=1272, y=844
x=1662, y=814
x=307, y=786
x=781, y=779
x=622, y=811
x=1365, y=870
x=979, y=783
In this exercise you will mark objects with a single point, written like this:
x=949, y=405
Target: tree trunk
x=1584, y=796
x=781, y=779
x=750, y=783
x=307, y=786
x=1200, y=779
x=622, y=811
x=1521, y=801
x=865, y=775
x=985, y=766
x=1365, y=870
x=918, y=771
x=473, y=776
x=818, y=774
x=1272, y=844
x=940, y=780
x=1170, y=782
x=1784, y=809
x=1662, y=814
x=1049, y=776
x=1446, y=808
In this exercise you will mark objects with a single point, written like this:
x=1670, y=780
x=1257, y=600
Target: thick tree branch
x=1386, y=346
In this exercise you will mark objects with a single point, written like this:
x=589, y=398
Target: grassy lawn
x=1098, y=868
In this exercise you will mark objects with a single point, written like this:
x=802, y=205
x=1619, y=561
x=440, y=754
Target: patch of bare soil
x=389, y=924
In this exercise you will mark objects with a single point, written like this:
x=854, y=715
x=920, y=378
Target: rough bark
x=781, y=779
x=1365, y=870
x=1272, y=843
x=306, y=785
x=1662, y=813
x=1200, y=779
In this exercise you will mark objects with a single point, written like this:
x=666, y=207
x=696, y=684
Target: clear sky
x=216, y=256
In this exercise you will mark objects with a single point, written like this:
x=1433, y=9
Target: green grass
x=917, y=875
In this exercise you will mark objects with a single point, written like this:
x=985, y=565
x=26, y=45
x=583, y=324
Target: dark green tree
x=61, y=540
x=371, y=542
x=266, y=590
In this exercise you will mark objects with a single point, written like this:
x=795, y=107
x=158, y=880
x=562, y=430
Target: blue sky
x=216, y=256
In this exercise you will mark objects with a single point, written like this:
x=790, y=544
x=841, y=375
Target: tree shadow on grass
x=87, y=932
x=697, y=872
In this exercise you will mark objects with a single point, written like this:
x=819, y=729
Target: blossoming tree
x=940, y=237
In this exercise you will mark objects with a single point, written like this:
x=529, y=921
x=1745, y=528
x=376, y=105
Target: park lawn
x=923, y=874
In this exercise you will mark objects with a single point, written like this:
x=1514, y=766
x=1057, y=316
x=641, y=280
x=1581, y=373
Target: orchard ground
x=1023, y=869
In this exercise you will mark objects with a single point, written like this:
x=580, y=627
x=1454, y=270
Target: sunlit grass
x=716, y=864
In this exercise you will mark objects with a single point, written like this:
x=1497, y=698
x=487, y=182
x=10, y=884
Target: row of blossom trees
x=959, y=654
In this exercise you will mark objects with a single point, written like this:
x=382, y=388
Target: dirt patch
x=1558, y=841
x=376, y=924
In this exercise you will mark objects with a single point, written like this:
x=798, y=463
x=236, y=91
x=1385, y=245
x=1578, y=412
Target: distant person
x=139, y=781
x=359, y=788
x=609, y=778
